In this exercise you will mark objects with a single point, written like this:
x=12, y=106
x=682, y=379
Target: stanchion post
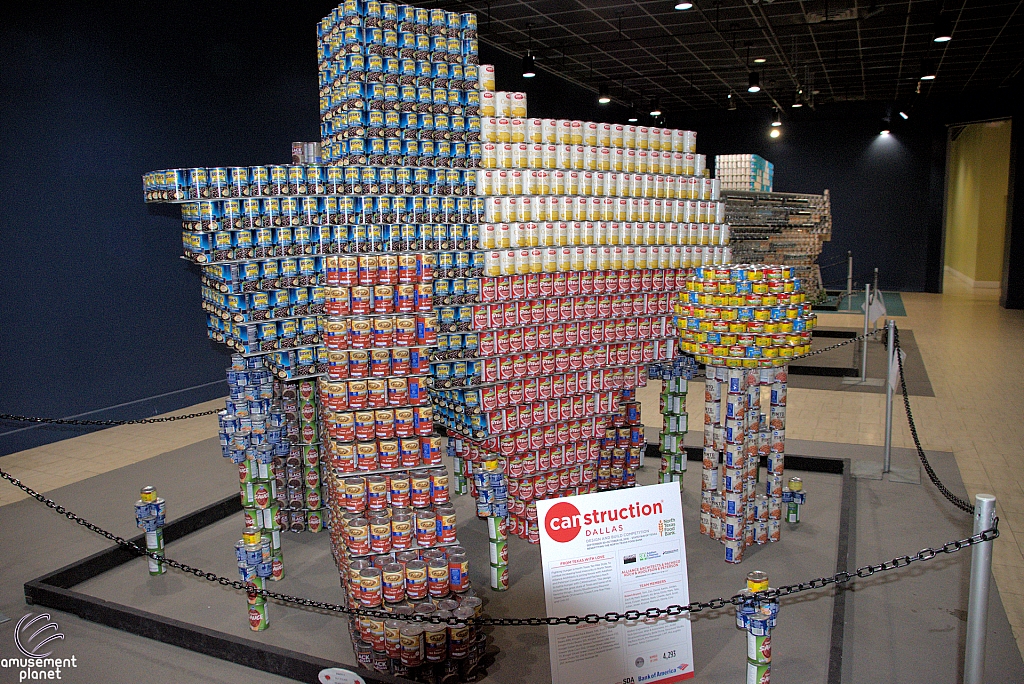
x=875, y=286
x=849, y=280
x=977, y=603
x=864, y=342
x=890, y=330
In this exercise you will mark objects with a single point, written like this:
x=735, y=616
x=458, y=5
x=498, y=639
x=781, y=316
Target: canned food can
x=258, y=620
x=499, y=577
x=759, y=673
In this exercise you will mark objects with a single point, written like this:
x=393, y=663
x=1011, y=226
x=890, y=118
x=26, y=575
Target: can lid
x=757, y=580
x=796, y=484
x=148, y=494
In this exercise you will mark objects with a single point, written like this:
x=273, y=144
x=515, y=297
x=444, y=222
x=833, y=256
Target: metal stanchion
x=890, y=381
x=849, y=281
x=977, y=603
x=864, y=343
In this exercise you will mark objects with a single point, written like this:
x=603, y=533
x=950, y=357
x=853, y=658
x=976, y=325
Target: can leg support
x=977, y=602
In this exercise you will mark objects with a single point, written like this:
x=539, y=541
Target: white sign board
x=616, y=551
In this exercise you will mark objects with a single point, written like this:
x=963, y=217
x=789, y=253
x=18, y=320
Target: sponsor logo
x=564, y=521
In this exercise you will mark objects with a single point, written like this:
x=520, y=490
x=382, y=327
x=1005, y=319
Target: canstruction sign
x=616, y=551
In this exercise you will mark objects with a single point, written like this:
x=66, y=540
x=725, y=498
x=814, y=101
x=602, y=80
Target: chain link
x=963, y=505
x=674, y=610
x=105, y=423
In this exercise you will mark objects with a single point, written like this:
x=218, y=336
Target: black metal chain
x=925, y=554
x=871, y=334
x=964, y=506
x=106, y=423
x=187, y=416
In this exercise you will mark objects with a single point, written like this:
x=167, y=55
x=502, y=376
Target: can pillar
x=977, y=602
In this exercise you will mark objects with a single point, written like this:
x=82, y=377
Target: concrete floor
x=896, y=629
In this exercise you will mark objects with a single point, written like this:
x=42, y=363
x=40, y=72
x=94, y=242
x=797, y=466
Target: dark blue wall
x=98, y=309
x=883, y=192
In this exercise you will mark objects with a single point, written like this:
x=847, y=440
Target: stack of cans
x=150, y=516
x=794, y=496
x=423, y=651
x=758, y=617
x=497, y=545
x=744, y=322
x=460, y=483
x=674, y=427
x=258, y=564
x=300, y=472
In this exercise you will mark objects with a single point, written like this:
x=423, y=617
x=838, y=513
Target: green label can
x=499, y=552
x=497, y=529
x=792, y=512
x=258, y=620
x=499, y=577
x=759, y=673
x=759, y=648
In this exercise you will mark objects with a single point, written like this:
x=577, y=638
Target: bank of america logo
x=34, y=632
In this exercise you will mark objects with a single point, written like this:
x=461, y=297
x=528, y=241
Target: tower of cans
x=150, y=516
x=400, y=136
x=743, y=322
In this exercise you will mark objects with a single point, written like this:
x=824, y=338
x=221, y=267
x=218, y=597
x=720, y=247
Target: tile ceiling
x=691, y=60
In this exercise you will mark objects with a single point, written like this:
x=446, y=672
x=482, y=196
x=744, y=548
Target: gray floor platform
x=905, y=626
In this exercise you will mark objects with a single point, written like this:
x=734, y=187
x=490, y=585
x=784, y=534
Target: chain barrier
x=674, y=610
x=187, y=416
x=105, y=423
x=964, y=506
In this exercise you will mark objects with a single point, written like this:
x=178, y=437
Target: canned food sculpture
x=744, y=322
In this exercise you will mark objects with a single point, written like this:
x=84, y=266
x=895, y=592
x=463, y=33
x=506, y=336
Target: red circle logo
x=562, y=522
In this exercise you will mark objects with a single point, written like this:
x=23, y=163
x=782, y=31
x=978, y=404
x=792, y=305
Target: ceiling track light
x=776, y=132
x=655, y=107
x=943, y=30
x=732, y=103
x=634, y=115
x=602, y=95
x=754, y=82
x=776, y=118
x=927, y=70
x=529, y=70
x=798, y=99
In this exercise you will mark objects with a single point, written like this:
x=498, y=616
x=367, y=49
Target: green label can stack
x=674, y=428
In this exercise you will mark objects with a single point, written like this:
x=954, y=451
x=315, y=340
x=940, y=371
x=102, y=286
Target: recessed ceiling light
x=760, y=60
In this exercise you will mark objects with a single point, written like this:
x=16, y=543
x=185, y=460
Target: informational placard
x=616, y=551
